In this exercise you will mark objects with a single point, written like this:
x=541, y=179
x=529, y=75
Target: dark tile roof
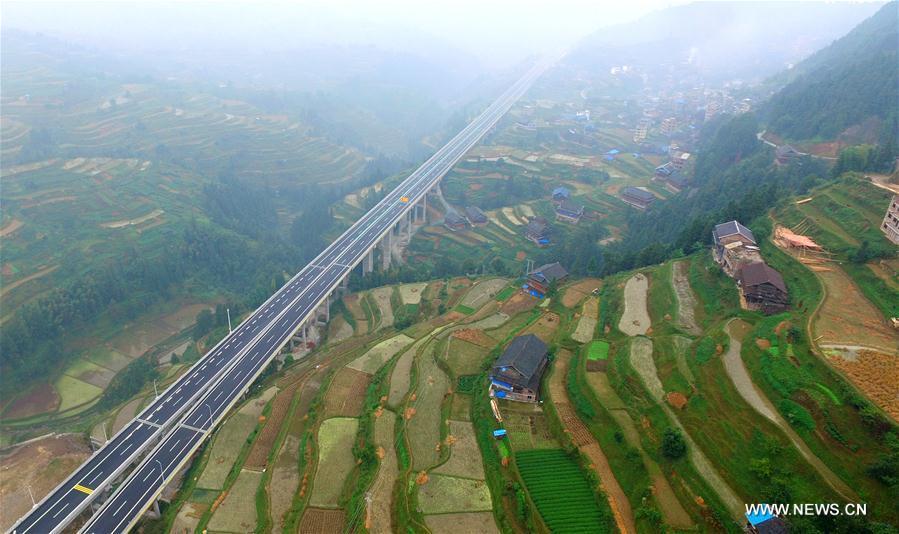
x=758, y=273
x=640, y=194
x=561, y=192
x=786, y=150
x=475, y=214
x=550, y=272
x=571, y=207
x=774, y=525
x=525, y=354
x=453, y=218
x=732, y=228
x=537, y=225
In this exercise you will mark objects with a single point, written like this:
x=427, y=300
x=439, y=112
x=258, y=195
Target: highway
x=202, y=397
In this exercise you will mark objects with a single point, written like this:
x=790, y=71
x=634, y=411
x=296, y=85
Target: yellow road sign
x=83, y=489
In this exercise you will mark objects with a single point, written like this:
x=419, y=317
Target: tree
x=673, y=444
x=205, y=323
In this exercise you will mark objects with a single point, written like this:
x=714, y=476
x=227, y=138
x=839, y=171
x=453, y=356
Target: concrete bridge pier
x=368, y=262
x=386, y=250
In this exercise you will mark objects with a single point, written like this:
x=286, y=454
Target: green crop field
x=560, y=490
x=598, y=350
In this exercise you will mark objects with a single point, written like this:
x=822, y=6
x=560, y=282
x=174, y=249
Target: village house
x=475, y=216
x=734, y=246
x=540, y=279
x=560, y=194
x=637, y=197
x=763, y=288
x=454, y=221
x=568, y=211
x=785, y=154
x=537, y=231
x=517, y=372
x=890, y=226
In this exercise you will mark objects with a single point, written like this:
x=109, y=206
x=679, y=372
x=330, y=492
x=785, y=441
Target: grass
x=229, y=441
x=560, y=491
x=74, y=392
x=504, y=295
x=378, y=355
x=461, y=308
x=444, y=494
x=598, y=350
x=237, y=512
x=335, y=460
x=465, y=358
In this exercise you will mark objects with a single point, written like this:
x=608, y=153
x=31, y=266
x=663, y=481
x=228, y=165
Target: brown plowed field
x=346, y=393
x=258, y=457
x=322, y=521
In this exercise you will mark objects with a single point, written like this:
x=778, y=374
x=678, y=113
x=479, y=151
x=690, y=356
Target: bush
x=673, y=444
x=796, y=414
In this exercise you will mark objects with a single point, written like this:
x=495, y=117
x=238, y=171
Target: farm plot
x=635, y=319
x=464, y=358
x=353, y=305
x=846, y=317
x=443, y=494
x=576, y=292
x=322, y=521
x=686, y=301
x=229, y=441
x=875, y=373
x=462, y=523
x=237, y=513
x=597, y=355
x=560, y=491
x=381, y=296
x=74, y=392
x=401, y=377
x=527, y=426
x=425, y=423
x=544, y=327
x=382, y=489
x=483, y=291
x=585, y=328
x=258, y=457
x=378, y=355
x=346, y=393
x=39, y=399
x=335, y=460
x=465, y=457
x=411, y=293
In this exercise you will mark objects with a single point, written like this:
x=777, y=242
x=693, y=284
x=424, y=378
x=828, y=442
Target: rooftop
x=758, y=273
x=732, y=228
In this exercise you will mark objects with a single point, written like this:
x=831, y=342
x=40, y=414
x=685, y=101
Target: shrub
x=673, y=444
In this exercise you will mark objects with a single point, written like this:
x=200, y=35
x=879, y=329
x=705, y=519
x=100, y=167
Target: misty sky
x=493, y=30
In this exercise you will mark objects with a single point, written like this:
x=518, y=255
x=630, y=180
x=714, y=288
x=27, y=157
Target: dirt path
x=618, y=501
x=641, y=360
x=635, y=319
x=686, y=302
x=673, y=512
x=738, y=374
x=9, y=287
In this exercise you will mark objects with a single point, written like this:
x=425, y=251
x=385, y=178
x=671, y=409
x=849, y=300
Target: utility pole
x=105, y=437
x=155, y=391
x=33, y=503
x=228, y=310
x=529, y=266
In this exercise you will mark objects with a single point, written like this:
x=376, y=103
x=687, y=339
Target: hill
x=849, y=89
x=721, y=41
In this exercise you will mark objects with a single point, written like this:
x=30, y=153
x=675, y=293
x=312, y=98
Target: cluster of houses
x=566, y=209
x=516, y=374
x=674, y=173
x=472, y=216
x=761, y=287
